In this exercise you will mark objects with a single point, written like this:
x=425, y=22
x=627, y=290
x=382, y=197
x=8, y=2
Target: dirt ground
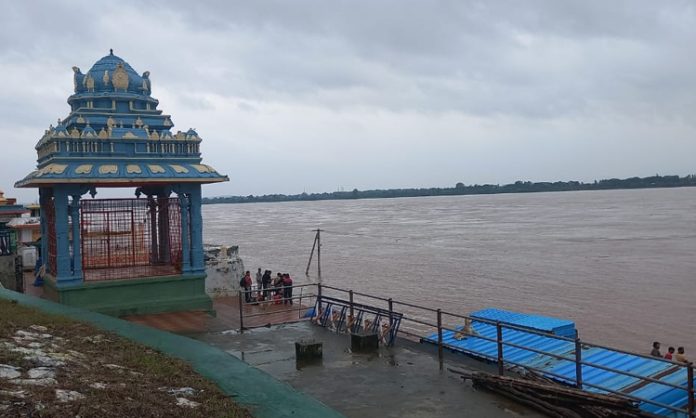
x=51, y=366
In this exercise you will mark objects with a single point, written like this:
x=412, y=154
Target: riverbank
x=460, y=189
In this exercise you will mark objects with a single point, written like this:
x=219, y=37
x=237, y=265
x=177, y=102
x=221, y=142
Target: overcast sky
x=293, y=96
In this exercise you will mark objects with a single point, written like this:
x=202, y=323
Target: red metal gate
x=128, y=238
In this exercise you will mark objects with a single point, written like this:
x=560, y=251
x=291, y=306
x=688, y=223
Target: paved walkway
x=401, y=381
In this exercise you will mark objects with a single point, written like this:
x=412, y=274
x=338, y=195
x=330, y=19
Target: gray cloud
x=366, y=93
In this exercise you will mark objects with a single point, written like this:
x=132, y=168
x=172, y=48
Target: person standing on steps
x=259, y=277
x=287, y=289
x=266, y=280
x=247, y=286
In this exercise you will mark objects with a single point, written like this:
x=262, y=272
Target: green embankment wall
x=135, y=296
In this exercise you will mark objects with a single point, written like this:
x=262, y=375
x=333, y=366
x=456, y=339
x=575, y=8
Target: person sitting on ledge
x=368, y=326
x=466, y=331
x=317, y=317
x=336, y=320
x=680, y=357
x=350, y=321
x=670, y=353
x=384, y=333
x=656, y=349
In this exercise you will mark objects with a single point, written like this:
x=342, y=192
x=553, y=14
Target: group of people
x=679, y=356
x=278, y=289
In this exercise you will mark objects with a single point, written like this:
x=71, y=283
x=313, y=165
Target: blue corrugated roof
x=564, y=370
x=562, y=327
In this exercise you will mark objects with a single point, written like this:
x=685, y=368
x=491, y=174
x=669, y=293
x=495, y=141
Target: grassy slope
x=136, y=383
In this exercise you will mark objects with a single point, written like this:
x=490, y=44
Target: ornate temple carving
x=133, y=169
x=120, y=78
x=178, y=168
x=108, y=169
x=155, y=168
x=83, y=169
x=89, y=82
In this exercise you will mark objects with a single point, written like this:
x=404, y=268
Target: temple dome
x=111, y=74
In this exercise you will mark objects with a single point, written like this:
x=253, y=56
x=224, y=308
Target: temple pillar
x=185, y=233
x=44, y=197
x=165, y=249
x=76, y=237
x=154, y=247
x=197, y=261
x=60, y=201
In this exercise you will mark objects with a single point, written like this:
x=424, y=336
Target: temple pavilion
x=142, y=253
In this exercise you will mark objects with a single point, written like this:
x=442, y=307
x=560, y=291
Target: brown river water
x=620, y=263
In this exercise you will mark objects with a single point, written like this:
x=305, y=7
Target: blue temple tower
x=139, y=254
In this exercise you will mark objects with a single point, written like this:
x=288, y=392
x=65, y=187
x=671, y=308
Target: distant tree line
x=462, y=189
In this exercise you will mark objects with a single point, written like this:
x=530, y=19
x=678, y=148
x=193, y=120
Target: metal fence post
x=350, y=296
x=391, y=312
x=241, y=312
x=690, y=388
x=319, y=294
x=578, y=363
x=499, y=340
x=439, y=336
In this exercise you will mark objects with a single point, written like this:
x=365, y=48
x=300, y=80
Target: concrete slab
x=401, y=381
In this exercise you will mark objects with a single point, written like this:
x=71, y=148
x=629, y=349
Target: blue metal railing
x=670, y=384
x=8, y=243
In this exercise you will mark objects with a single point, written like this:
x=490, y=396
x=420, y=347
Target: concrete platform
x=401, y=381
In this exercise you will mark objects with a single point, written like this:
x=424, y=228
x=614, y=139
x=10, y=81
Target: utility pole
x=319, y=255
x=316, y=245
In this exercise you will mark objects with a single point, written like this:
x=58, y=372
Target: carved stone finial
x=111, y=51
x=78, y=77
